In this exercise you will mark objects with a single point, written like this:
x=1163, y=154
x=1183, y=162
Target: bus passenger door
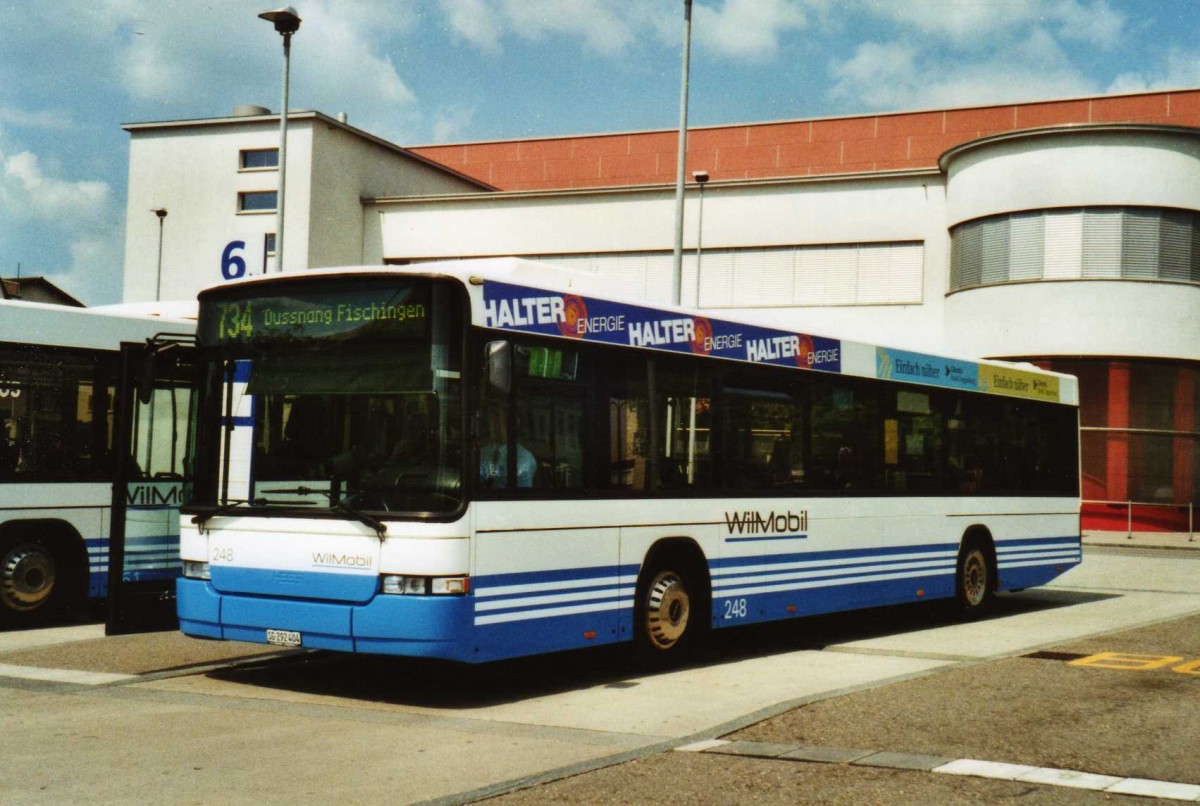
x=151, y=413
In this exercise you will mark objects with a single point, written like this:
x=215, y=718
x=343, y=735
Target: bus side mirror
x=145, y=378
x=499, y=365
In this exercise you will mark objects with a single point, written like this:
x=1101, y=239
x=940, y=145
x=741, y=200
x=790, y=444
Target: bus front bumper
x=413, y=626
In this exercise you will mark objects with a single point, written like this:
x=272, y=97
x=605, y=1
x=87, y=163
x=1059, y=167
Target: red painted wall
x=861, y=144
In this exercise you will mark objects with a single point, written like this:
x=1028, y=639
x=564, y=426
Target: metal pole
x=1129, y=519
x=699, y=241
x=283, y=125
x=162, y=217
x=677, y=268
x=1191, y=521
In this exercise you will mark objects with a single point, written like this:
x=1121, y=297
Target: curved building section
x=1079, y=248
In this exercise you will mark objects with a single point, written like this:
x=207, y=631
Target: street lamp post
x=161, y=212
x=681, y=162
x=701, y=178
x=286, y=22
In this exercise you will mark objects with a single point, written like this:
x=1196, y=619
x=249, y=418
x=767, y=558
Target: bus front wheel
x=975, y=586
x=30, y=587
x=669, y=613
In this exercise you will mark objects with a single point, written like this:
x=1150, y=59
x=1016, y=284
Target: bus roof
x=518, y=295
x=37, y=323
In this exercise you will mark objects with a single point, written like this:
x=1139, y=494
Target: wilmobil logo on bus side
x=154, y=495
x=751, y=524
x=327, y=559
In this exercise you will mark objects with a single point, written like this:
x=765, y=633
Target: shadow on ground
x=440, y=684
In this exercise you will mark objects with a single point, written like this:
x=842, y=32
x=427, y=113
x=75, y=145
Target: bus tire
x=975, y=577
x=670, y=611
x=35, y=578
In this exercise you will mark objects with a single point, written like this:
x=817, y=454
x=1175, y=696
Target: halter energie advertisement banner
x=532, y=310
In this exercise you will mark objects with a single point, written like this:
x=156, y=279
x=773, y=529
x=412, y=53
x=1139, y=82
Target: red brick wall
x=795, y=148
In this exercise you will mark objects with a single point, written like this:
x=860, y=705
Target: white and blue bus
x=59, y=371
x=476, y=460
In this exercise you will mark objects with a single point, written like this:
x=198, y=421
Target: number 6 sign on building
x=233, y=264
x=241, y=258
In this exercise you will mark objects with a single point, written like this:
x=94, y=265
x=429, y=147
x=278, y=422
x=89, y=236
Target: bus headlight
x=395, y=584
x=193, y=569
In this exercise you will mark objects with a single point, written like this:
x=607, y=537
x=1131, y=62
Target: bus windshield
x=349, y=396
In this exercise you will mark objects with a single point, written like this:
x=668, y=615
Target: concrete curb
x=1169, y=790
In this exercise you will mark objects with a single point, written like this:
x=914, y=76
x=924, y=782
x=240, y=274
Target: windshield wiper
x=342, y=504
x=229, y=506
x=345, y=506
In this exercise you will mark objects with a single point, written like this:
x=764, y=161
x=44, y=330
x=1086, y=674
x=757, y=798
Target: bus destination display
x=363, y=313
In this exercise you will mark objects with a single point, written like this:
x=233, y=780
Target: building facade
x=1064, y=233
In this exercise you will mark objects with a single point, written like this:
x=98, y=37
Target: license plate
x=283, y=637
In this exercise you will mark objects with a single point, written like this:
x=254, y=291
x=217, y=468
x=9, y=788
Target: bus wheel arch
x=976, y=578
x=43, y=569
x=673, y=601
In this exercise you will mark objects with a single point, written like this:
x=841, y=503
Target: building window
x=257, y=201
x=258, y=159
x=268, y=250
x=1118, y=243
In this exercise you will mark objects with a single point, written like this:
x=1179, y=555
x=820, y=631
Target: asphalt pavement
x=1091, y=680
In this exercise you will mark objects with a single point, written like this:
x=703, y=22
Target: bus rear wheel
x=30, y=587
x=975, y=588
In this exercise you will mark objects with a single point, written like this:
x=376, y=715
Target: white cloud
x=603, y=27
x=452, y=123
x=747, y=29
x=75, y=217
x=46, y=119
x=476, y=21
x=738, y=29
x=27, y=192
x=1180, y=68
x=969, y=22
x=903, y=76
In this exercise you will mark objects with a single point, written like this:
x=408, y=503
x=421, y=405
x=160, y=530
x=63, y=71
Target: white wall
x=191, y=168
x=1076, y=318
x=193, y=173
x=345, y=168
x=876, y=210
x=1118, y=165
x=1106, y=165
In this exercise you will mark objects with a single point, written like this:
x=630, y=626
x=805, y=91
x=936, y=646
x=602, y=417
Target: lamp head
x=700, y=176
x=161, y=212
x=285, y=20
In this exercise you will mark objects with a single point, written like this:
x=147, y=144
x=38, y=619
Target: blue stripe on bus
x=764, y=539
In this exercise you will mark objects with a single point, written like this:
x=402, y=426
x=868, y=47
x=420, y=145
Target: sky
x=432, y=71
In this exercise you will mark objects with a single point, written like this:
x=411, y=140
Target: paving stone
x=985, y=769
x=1071, y=778
x=1156, y=789
x=904, y=761
x=832, y=755
x=700, y=747
x=756, y=749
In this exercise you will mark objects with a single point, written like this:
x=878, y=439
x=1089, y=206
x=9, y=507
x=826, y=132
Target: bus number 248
x=735, y=608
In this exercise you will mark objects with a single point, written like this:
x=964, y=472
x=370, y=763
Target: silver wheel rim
x=668, y=607
x=26, y=577
x=975, y=578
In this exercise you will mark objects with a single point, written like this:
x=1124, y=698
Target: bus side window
x=845, y=437
x=763, y=438
x=551, y=424
x=915, y=441
x=628, y=425
x=494, y=395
